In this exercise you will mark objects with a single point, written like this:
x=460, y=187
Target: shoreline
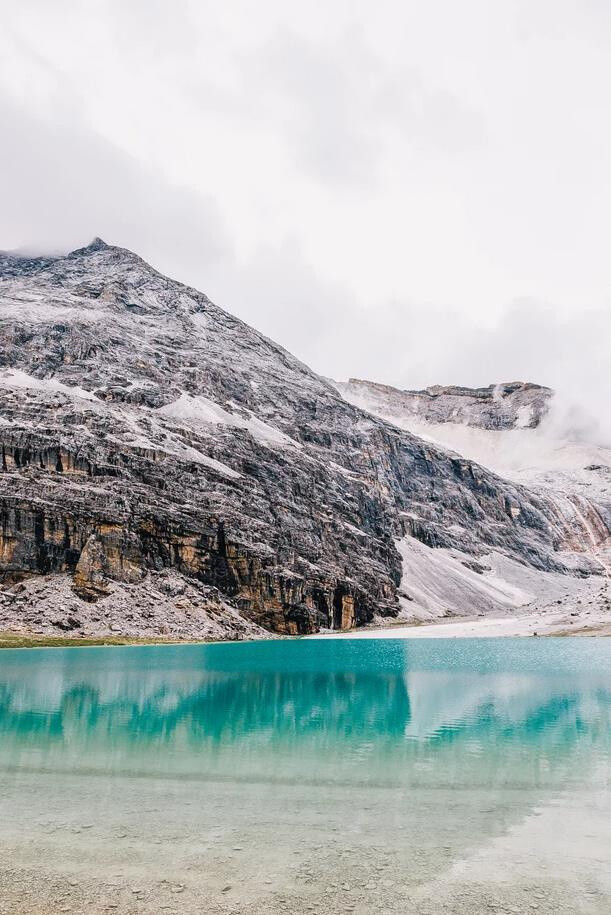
x=474, y=627
x=30, y=640
x=523, y=626
x=543, y=622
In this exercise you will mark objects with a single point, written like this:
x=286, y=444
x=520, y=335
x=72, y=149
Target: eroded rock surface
x=144, y=430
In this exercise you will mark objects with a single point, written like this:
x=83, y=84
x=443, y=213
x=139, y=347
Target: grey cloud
x=61, y=185
x=339, y=104
x=557, y=19
x=320, y=96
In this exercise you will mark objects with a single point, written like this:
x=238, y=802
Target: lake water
x=364, y=776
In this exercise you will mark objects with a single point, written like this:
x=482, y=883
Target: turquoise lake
x=459, y=775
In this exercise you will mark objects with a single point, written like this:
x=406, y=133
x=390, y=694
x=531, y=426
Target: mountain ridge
x=497, y=406
x=148, y=433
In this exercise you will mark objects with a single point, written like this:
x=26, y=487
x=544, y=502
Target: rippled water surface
x=315, y=776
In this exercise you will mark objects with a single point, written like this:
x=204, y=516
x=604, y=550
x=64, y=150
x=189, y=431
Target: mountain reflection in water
x=457, y=713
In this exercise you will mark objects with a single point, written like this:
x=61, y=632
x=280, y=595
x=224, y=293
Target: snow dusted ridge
x=514, y=405
x=519, y=432
x=516, y=430
x=158, y=452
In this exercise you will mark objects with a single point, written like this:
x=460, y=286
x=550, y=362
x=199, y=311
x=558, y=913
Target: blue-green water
x=410, y=772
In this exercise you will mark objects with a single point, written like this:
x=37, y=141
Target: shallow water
x=322, y=776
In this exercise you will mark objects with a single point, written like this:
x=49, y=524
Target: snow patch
x=15, y=378
x=201, y=410
x=436, y=582
x=445, y=582
x=37, y=309
x=197, y=457
x=524, y=417
x=200, y=320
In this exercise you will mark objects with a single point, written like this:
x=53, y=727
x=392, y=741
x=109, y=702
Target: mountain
x=519, y=431
x=166, y=469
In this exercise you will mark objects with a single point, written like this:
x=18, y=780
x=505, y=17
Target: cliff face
x=145, y=432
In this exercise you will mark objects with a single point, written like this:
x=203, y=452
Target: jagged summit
x=27, y=253
x=25, y=261
x=147, y=432
x=96, y=244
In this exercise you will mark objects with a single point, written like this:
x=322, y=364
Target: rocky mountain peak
x=147, y=437
x=97, y=244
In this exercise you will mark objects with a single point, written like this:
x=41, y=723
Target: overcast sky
x=415, y=191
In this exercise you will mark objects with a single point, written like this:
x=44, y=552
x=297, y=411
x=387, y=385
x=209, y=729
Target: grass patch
x=34, y=640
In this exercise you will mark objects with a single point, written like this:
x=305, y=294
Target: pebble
x=177, y=889
x=226, y=888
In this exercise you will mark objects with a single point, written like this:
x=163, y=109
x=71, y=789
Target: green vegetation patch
x=34, y=640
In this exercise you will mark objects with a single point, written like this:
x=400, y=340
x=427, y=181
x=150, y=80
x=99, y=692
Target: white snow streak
x=199, y=409
x=15, y=378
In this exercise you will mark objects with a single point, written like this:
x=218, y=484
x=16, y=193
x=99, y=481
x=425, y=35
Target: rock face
x=90, y=579
x=514, y=405
x=145, y=431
